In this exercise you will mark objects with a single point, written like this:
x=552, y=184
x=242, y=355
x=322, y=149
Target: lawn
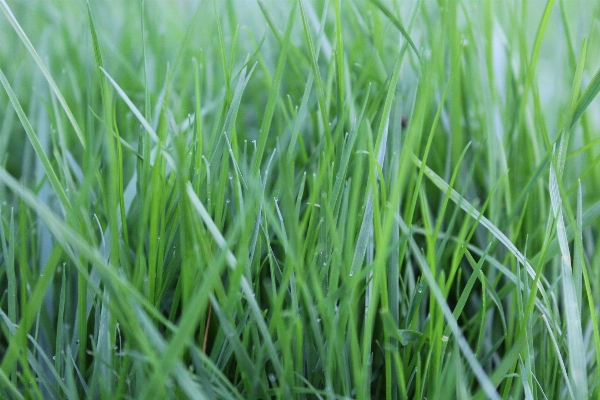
x=329, y=199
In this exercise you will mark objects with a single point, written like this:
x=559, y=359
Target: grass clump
x=329, y=199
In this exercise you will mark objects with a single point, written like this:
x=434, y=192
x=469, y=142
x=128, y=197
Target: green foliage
x=304, y=199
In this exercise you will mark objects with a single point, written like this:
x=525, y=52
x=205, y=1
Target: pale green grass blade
x=398, y=25
x=232, y=113
x=321, y=97
x=223, y=54
x=590, y=92
x=52, y=177
x=339, y=56
x=575, y=87
x=533, y=61
x=273, y=94
x=300, y=116
x=17, y=27
x=564, y=139
x=572, y=310
x=210, y=224
x=132, y=107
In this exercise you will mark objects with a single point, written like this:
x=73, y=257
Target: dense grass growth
x=303, y=199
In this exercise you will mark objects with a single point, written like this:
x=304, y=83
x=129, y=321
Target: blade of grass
x=21, y=33
x=37, y=146
x=576, y=354
x=273, y=94
x=398, y=25
x=590, y=92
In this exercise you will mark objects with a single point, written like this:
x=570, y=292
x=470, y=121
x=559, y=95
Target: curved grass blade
x=586, y=98
x=398, y=25
x=37, y=146
x=17, y=27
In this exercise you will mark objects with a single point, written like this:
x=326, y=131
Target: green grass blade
x=273, y=94
x=17, y=27
x=132, y=107
x=39, y=151
x=398, y=25
x=576, y=355
x=590, y=92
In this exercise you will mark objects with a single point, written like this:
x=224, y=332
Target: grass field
x=299, y=199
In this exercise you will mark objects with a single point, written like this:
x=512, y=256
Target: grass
x=305, y=199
